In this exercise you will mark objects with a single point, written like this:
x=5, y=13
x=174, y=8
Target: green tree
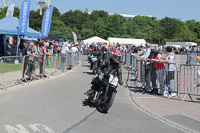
x=75, y=18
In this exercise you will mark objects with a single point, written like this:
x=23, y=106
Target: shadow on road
x=87, y=103
x=89, y=73
x=86, y=65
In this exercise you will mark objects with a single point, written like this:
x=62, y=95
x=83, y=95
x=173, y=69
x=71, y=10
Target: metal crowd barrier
x=189, y=80
x=37, y=64
x=166, y=79
x=184, y=78
x=128, y=60
x=136, y=73
x=16, y=69
x=142, y=69
x=123, y=57
x=10, y=68
x=52, y=65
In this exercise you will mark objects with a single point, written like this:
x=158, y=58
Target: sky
x=180, y=9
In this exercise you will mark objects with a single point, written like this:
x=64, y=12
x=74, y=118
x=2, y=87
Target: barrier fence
x=189, y=80
x=183, y=79
x=10, y=70
x=18, y=69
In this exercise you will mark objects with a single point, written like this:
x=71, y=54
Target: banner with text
x=10, y=10
x=46, y=22
x=75, y=37
x=24, y=17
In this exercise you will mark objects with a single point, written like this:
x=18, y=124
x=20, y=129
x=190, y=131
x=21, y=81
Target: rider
x=95, y=53
x=104, y=59
x=91, y=48
x=112, y=66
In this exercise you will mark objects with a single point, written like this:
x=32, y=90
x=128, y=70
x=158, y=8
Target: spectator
x=170, y=70
x=147, y=66
x=44, y=52
x=77, y=46
x=36, y=50
x=55, y=48
x=140, y=50
x=59, y=50
x=153, y=73
x=27, y=51
x=46, y=43
x=50, y=52
x=64, y=52
x=43, y=49
x=160, y=70
x=74, y=49
x=41, y=57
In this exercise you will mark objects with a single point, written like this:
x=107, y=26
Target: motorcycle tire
x=104, y=107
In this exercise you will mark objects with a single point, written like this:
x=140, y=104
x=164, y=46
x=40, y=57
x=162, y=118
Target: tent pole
x=18, y=43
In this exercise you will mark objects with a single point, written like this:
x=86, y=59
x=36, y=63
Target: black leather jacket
x=96, y=53
x=108, y=66
x=113, y=68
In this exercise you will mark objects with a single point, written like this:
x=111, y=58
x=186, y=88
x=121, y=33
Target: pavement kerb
x=18, y=86
x=148, y=111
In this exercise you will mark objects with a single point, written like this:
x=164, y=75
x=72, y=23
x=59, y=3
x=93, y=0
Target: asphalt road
x=57, y=106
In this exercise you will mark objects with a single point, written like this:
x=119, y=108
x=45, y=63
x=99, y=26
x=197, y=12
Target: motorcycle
x=103, y=92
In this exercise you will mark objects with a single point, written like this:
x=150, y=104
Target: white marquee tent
x=95, y=39
x=127, y=41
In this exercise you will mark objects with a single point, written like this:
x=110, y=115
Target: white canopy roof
x=136, y=42
x=95, y=39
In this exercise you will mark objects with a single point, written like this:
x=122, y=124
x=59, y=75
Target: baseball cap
x=154, y=51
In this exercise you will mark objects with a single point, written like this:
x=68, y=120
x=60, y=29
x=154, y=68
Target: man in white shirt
x=74, y=49
x=64, y=52
x=65, y=49
x=46, y=44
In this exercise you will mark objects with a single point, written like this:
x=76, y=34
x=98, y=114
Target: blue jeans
x=168, y=83
x=59, y=56
x=153, y=75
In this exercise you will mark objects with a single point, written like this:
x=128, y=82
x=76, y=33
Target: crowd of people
x=34, y=53
x=157, y=68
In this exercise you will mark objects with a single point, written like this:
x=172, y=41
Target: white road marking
x=35, y=127
x=19, y=129
x=147, y=97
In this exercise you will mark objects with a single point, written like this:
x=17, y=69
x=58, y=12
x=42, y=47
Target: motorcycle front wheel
x=104, y=107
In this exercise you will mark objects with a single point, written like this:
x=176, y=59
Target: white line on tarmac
x=147, y=97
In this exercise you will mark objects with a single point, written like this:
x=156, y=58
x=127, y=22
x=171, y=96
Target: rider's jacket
x=114, y=68
x=107, y=65
x=96, y=53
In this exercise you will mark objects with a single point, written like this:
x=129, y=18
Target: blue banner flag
x=24, y=17
x=75, y=37
x=46, y=22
